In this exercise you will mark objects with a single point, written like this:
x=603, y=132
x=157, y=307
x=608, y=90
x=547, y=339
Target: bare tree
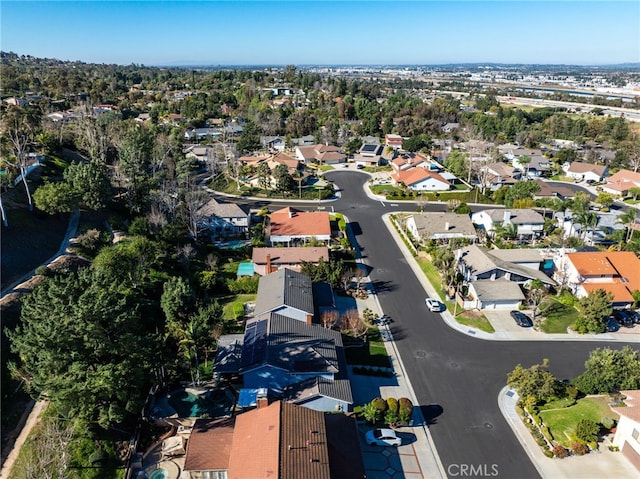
x=48, y=455
x=329, y=318
x=351, y=323
x=19, y=135
x=192, y=202
x=359, y=274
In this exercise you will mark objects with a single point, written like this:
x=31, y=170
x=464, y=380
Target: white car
x=383, y=437
x=433, y=305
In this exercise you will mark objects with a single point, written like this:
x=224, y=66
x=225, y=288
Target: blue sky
x=329, y=32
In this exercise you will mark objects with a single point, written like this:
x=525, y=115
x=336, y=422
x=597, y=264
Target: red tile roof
x=293, y=222
x=416, y=175
x=209, y=445
x=255, y=449
x=623, y=268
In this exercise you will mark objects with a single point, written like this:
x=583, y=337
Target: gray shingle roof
x=481, y=260
x=319, y=387
x=499, y=290
x=446, y=225
x=524, y=216
x=222, y=210
x=285, y=287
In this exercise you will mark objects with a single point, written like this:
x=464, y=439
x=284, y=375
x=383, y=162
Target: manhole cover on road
x=454, y=365
x=421, y=354
x=488, y=425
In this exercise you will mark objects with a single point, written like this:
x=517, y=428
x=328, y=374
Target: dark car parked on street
x=521, y=319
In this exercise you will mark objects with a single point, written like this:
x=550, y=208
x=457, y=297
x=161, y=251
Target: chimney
x=447, y=226
x=268, y=267
x=309, y=318
x=507, y=216
x=262, y=398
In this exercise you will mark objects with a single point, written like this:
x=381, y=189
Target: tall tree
x=610, y=370
x=82, y=344
x=595, y=309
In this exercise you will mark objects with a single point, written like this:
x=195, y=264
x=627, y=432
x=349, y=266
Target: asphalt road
x=456, y=378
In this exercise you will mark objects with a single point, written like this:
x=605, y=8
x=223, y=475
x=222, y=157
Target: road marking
x=382, y=203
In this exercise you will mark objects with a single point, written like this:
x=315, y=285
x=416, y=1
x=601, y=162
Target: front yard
x=562, y=422
x=558, y=316
x=371, y=353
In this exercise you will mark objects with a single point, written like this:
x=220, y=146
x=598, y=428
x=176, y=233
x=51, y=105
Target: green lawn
x=432, y=275
x=373, y=355
x=558, y=316
x=562, y=422
x=228, y=303
x=476, y=320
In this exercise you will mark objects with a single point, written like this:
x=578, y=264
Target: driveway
x=391, y=462
x=502, y=321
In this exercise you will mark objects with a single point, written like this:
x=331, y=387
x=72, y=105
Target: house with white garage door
x=493, y=279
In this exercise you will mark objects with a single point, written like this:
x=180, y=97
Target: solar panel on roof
x=369, y=148
x=255, y=343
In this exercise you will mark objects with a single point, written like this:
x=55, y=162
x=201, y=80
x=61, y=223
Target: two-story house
x=529, y=222
x=617, y=272
x=223, y=220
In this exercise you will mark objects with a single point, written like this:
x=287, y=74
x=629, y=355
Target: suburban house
x=419, y=179
x=581, y=171
x=286, y=292
x=441, y=227
x=202, y=154
x=529, y=222
x=549, y=191
x=449, y=127
x=497, y=175
x=268, y=260
x=273, y=143
x=291, y=226
x=278, y=441
x=494, y=277
x=621, y=182
x=617, y=272
x=627, y=436
x=307, y=140
x=370, y=154
x=223, y=220
x=283, y=352
x=410, y=160
x=538, y=165
x=321, y=154
x=394, y=141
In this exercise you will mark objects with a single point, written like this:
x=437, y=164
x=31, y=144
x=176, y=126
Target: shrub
x=43, y=271
x=607, y=422
x=405, y=409
x=572, y=392
x=548, y=453
x=244, y=285
x=587, y=430
x=579, y=448
x=560, y=451
x=392, y=405
x=390, y=417
x=380, y=405
x=541, y=442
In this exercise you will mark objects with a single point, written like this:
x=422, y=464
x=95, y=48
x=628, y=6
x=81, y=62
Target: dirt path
x=32, y=420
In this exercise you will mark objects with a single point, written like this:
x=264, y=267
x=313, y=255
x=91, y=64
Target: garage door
x=500, y=304
x=631, y=454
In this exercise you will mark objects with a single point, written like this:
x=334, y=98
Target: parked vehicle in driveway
x=612, y=325
x=521, y=319
x=433, y=305
x=624, y=318
x=383, y=437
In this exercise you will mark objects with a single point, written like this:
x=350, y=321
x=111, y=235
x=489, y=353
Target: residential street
x=456, y=378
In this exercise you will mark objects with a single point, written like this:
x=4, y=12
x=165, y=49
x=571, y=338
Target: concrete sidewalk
x=596, y=464
x=424, y=447
x=526, y=335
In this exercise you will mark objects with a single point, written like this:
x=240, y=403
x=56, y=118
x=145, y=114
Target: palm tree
x=627, y=219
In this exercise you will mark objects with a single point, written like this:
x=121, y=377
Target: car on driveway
x=382, y=437
x=521, y=319
x=433, y=305
x=624, y=318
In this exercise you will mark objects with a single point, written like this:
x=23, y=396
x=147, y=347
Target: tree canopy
x=610, y=370
x=82, y=344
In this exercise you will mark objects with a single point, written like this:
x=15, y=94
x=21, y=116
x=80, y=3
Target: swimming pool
x=193, y=403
